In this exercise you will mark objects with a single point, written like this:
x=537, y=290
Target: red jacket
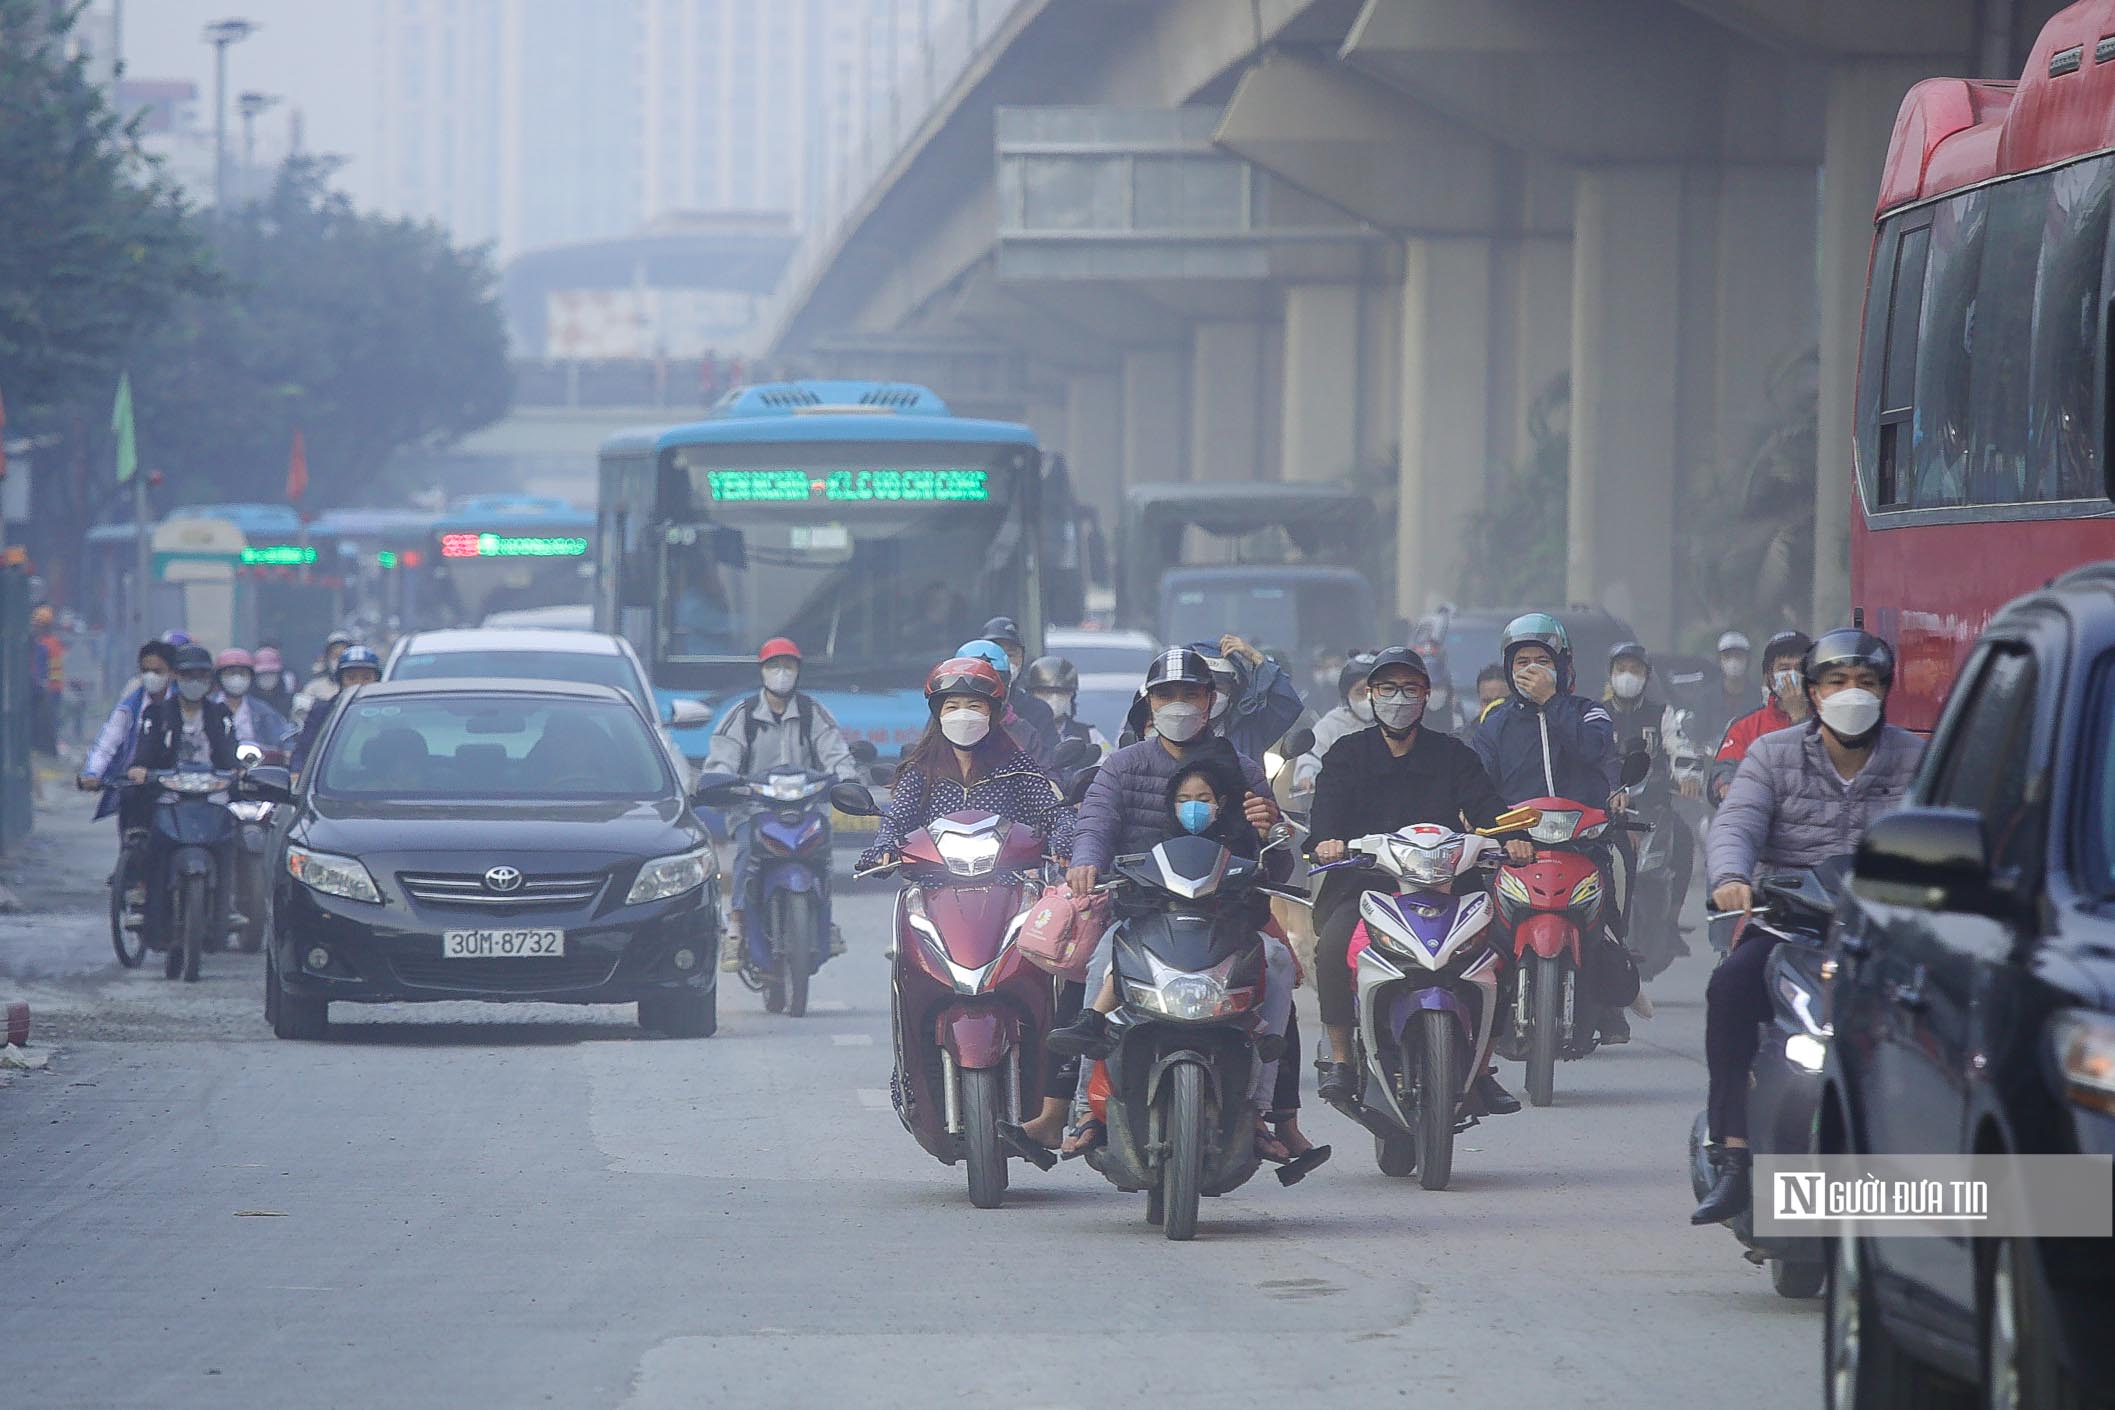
x=1751, y=727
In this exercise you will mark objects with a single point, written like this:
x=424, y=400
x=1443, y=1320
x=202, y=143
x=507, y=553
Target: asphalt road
x=455, y=1205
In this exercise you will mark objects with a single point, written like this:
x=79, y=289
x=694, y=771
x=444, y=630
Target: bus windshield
x=867, y=555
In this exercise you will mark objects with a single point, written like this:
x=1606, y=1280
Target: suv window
x=1989, y=760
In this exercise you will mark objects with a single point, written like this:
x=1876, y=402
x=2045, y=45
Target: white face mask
x=1178, y=722
x=964, y=728
x=1850, y=713
x=193, y=690
x=1785, y=684
x=1362, y=710
x=153, y=682
x=267, y=680
x=779, y=679
x=1628, y=685
x=1060, y=704
x=1734, y=667
x=236, y=684
x=1399, y=715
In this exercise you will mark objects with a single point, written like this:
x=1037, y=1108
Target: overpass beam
x=1320, y=425
x=1444, y=440
x=1626, y=337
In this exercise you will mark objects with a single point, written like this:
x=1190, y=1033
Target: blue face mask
x=1195, y=814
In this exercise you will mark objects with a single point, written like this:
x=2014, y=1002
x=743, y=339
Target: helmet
x=1789, y=642
x=234, y=656
x=1053, y=673
x=40, y=615
x=776, y=647
x=268, y=659
x=964, y=675
x=1849, y=646
x=192, y=657
x=1635, y=650
x=1003, y=630
x=989, y=651
x=1355, y=670
x=1403, y=656
x=1178, y=664
x=1737, y=641
x=1226, y=676
x=177, y=638
x=356, y=655
x=1540, y=628
x=340, y=637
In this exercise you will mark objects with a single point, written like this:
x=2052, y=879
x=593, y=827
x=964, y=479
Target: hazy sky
x=316, y=54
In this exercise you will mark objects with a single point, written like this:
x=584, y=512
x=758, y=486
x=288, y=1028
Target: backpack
x=751, y=724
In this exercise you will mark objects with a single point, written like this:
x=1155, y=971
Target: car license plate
x=501, y=944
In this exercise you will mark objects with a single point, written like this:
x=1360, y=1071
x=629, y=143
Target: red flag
x=297, y=470
x=3, y=438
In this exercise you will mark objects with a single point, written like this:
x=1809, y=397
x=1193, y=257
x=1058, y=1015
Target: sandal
x=1026, y=1146
x=1090, y=1134
x=1297, y=1165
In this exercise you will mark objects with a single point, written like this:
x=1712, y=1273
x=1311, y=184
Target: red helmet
x=234, y=656
x=964, y=675
x=776, y=647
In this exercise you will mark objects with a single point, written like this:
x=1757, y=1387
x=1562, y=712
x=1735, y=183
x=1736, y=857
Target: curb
x=18, y=1022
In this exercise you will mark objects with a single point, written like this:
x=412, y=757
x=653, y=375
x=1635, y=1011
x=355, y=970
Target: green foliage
x=1515, y=545
x=370, y=335
x=1748, y=549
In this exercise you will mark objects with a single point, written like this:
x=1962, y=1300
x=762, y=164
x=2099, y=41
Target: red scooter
x=970, y=1012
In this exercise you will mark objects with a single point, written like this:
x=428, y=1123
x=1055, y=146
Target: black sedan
x=498, y=840
x=1974, y=1011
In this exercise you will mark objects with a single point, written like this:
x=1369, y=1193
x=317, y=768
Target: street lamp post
x=250, y=105
x=220, y=34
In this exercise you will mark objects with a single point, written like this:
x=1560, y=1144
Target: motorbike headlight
x=251, y=811
x=966, y=855
x=332, y=875
x=788, y=789
x=1806, y=1052
x=670, y=876
x=2085, y=1056
x=1191, y=997
x=192, y=783
x=1556, y=825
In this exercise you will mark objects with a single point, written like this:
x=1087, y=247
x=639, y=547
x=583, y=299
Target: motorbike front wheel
x=131, y=946
x=1182, y=1170
x=1438, y=1087
x=191, y=923
x=983, y=1108
x=792, y=925
x=1546, y=1031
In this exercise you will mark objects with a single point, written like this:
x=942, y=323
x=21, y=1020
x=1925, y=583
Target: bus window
x=1945, y=353
x=2065, y=459
x=2002, y=329
x=1898, y=378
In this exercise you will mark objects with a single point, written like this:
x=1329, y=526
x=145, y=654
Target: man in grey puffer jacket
x=1802, y=797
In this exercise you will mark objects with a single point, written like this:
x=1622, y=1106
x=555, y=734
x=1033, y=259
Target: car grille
x=467, y=888
x=505, y=976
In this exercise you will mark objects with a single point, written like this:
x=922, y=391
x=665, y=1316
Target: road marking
x=852, y=1040
x=828, y=1006
x=875, y=1099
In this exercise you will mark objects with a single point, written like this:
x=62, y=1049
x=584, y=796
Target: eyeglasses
x=1412, y=691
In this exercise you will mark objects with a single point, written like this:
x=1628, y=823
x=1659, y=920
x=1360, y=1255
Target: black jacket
x=162, y=729
x=1364, y=788
x=1038, y=735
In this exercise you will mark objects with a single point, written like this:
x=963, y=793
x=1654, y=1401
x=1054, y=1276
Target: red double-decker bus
x=1983, y=377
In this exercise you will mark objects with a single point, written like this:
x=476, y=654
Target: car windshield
x=491, y=747
x=581, y=667
x=1120, y=656
x=1279, y=617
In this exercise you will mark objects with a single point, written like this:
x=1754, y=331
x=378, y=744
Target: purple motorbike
x=786, y=911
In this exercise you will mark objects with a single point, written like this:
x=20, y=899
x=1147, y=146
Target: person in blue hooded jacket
x=1254, y=703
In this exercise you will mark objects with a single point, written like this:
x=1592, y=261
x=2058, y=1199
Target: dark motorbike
x=1655, y=927
x=253, y=818
x=1785, y=1079
x=188, y=857
x=786, y=910
x=1186, y=1036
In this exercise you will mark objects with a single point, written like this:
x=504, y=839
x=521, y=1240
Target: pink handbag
x=1061, y=931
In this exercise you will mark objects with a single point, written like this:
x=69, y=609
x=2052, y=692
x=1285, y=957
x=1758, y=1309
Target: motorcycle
x=786, y=910
x=1784, y=1088
x=1185, y=1038
x=1549, y=910
x=1426, y=978
x=1655, y=935
x=253, y=817
x=969, y=1013
x=188, y=855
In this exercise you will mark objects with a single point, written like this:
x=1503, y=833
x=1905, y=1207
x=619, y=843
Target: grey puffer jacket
x=1789, y=808
x=1126, y=808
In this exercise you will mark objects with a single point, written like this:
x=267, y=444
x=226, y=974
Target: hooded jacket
x=1264, y=707
x=1231, y=828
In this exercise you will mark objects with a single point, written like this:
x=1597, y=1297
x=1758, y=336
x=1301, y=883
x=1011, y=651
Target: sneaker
x=1085, y=1036
x=731, y=952
x=1615, y=1029
x=1491, y=1098
x=837, y=941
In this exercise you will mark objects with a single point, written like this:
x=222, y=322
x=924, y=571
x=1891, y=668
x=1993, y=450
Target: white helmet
x=1732, y=641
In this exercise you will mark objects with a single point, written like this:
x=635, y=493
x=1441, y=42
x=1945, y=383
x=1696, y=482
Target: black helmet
x=1002, y=630
x=1790, y=642
x=192, y=657
x=353, y=657
x=1633, y=649
x=1353, y=673
x=1849, y=646
x=1053, y=673
x=1178, y=664
x=1398, y=656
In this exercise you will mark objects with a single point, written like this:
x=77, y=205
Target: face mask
x=1785, y=684
x=268, y=680
x=964, y=728
x=1851, y=713
x=193, y=690
x=1628, y=685
x=1178, y=722
x=1362, y=710
x=1399, y=715
x=1734, y=667
x=1195, y=814
x=236, y=685
x=1060, y=705
x=154, y=682
x=779, y=680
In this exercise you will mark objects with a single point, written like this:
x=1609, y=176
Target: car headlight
x=670, y=876
x=2085, y=1055
x=332, y=875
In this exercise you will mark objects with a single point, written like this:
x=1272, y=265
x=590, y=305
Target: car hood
x=586, y=833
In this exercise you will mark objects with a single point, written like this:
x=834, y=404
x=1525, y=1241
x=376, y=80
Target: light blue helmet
x=1541, y=629
x=993, y=652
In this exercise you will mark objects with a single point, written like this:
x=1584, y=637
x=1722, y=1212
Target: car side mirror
x=1300, y=741
x=864, y=752
x=1076, y=789
x=248, y=756
x=717, y=790
x=687, y=714
x=854, y=800
x=1637, y=765
x=1936, y=859
x=268, y=783
x=1073, y=754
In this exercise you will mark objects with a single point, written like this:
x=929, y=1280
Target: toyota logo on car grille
x=503, y=879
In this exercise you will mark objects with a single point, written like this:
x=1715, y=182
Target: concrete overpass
x=1318, y=238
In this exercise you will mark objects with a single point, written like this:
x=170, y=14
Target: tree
x=367, y=334
x=1759, y=573
x=1516, y=542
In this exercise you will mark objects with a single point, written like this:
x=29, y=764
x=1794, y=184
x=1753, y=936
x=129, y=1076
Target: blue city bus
x=509, y=552
x=863, y=520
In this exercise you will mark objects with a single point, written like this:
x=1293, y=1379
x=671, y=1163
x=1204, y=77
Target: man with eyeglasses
x=1398, y=773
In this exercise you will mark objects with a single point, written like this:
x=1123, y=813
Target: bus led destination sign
x=511, y=546
x=849, y=486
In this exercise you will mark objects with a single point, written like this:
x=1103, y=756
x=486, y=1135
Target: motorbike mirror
x=1081, y=782
x=1513, y=820
x=1300, y=741
x=248, y=755
x=864, y=752
x=1073, y=754
x=268, y=783
x=687, y=714
x=717, y=789
x=853, y=800
x=1636, y=765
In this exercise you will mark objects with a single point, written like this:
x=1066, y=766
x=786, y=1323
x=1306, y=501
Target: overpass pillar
x=1320, y=424
x=1627, y=251
x=1444, y=410
x=1155, y=415
x=1094, y=449
x=1229, y=372
x=1863, y=98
